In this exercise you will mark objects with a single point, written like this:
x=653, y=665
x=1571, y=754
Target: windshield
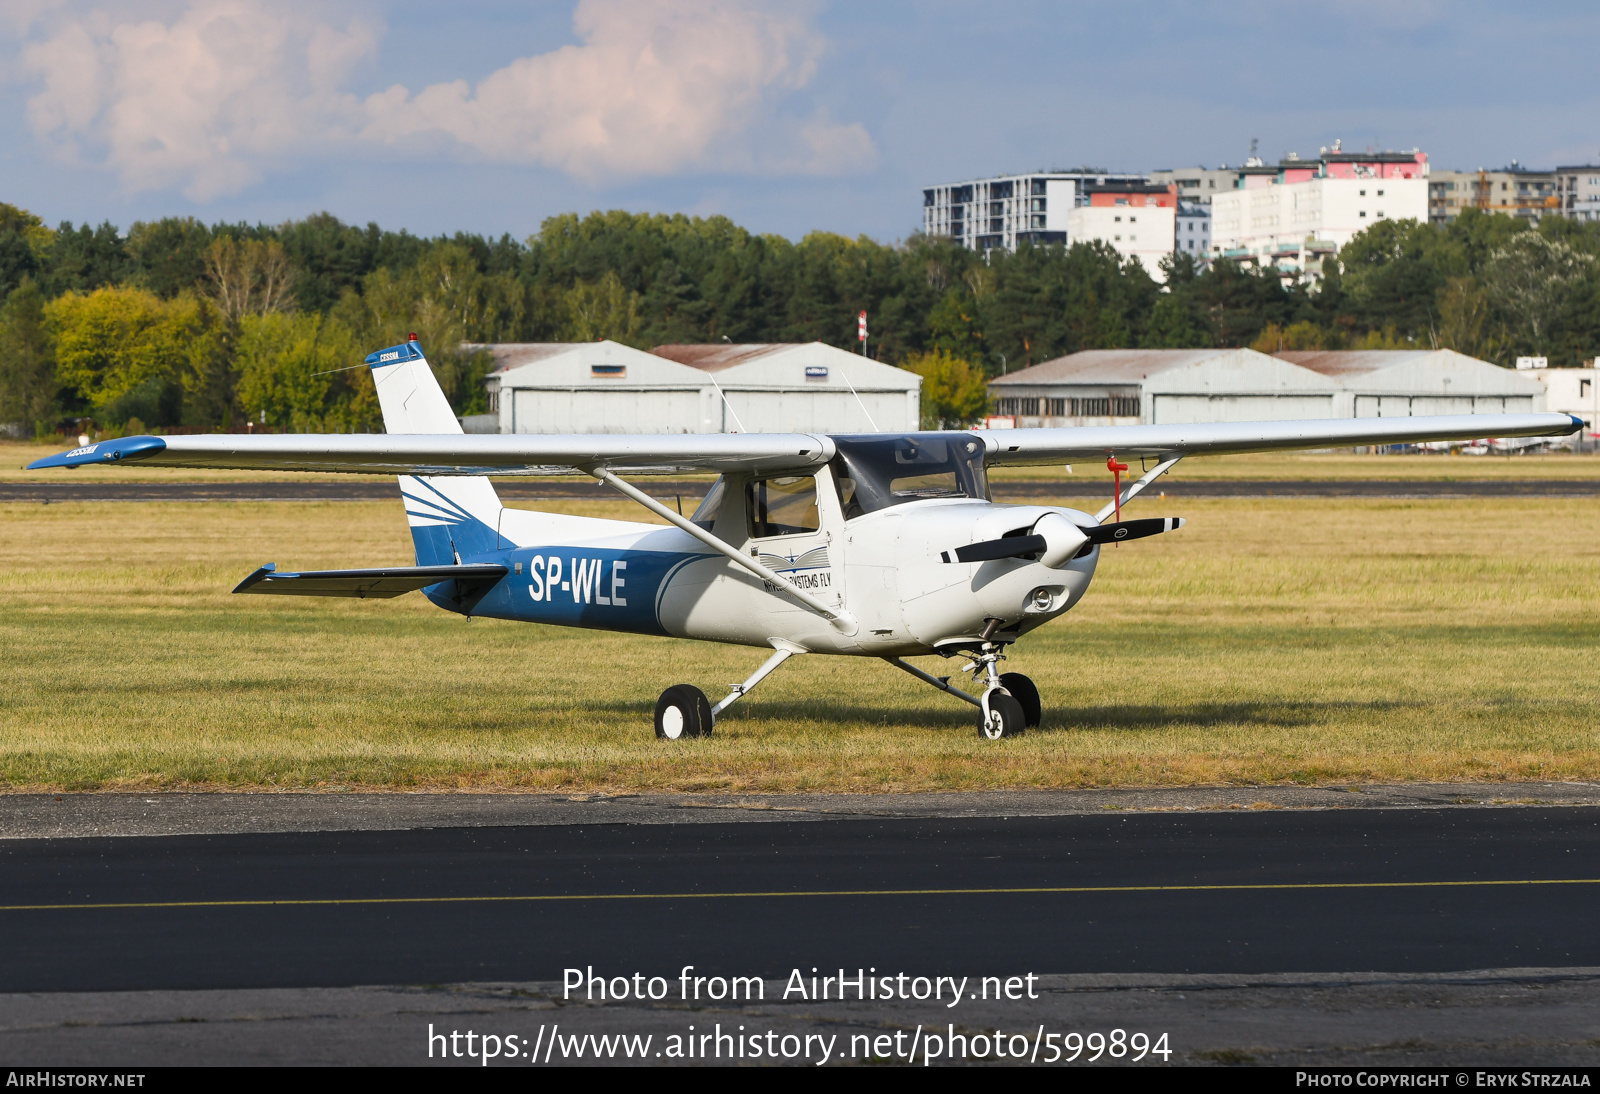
x=875, y=472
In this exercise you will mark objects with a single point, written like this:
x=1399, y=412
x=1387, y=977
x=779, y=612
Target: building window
x=1058, y=407
x=1363, y=193
x=1122, y=407
x=1362, y=213
x=1028, y=406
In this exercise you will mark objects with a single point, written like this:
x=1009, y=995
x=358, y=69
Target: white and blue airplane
x=879, y=545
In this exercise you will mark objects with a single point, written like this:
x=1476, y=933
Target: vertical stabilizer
x=452, y=517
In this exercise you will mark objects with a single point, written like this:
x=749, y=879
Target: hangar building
x=1163, y=386
x=1170, y=386
x=1400, y=383
x=606, y=387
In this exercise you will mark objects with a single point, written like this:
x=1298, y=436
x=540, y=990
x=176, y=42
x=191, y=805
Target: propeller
x=1057, y=544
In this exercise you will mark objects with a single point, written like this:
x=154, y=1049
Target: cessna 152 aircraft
x=872, y=545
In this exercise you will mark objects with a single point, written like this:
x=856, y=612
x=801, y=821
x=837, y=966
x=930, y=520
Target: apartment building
x=1293, y=215
x=1578, y=189
x=1515, y=191
x=1197, y=184
x=983, y=214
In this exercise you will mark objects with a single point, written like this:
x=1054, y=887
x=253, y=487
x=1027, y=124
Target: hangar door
x=606, y=410
x=818, y=411
x=1191, y=409
x=1403, y=406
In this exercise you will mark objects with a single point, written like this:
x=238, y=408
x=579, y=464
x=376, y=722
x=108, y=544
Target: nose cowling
x=1063, y=539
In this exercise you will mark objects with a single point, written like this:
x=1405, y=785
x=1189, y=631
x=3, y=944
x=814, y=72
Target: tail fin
x=452, y=517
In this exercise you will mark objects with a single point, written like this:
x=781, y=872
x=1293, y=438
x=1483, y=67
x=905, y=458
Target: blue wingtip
x=1577, y=423
x=118, y=451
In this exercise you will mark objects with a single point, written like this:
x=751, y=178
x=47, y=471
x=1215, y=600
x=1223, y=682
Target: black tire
x=683, y=711
x=1023, y=691
x=1006, y=718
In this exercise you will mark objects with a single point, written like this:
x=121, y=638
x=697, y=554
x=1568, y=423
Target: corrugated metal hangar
x=606, y=387
x=1168, y=386
x=1400, y=383
x=1177, y=386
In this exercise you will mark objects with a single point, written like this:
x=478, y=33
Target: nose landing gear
x=1010, y=703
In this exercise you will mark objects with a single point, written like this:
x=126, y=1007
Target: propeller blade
x=1131, y=529
x=1023, y=546
x=991, y=549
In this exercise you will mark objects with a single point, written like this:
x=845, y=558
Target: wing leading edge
x=461, y=454
x=1025, y=446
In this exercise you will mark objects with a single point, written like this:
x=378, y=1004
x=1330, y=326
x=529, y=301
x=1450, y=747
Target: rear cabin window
x=706, y=515
x=782, y=506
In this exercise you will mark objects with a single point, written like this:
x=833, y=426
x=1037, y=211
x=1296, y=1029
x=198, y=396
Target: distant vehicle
x=870, y=545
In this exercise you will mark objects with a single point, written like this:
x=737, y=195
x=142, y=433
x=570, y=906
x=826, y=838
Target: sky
x=786, y=117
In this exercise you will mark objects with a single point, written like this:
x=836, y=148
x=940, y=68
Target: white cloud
x=658, y=86
x=213, y=98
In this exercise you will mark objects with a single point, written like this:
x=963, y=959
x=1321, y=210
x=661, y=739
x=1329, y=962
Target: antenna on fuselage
x=727, y=404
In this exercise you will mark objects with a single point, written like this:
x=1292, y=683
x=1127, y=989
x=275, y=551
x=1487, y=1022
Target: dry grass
x=1271, y=640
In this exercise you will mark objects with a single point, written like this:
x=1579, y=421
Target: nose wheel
x=1002, y=716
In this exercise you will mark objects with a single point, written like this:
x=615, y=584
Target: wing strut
x=1134, y=488
x=841, y=619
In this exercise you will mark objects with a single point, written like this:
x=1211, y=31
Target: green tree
x=1532, y=276
x=291, y=370
x=29, y=395
x=953, y=390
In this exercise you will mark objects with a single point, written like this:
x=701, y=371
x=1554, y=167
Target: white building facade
x=1292, y=216
x=1146, y=234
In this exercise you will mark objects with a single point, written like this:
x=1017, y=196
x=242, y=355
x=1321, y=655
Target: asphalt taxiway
x=1214, y=891
x=1399, y=924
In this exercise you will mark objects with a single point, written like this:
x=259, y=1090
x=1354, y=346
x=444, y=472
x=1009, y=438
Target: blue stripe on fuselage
x=600, y=588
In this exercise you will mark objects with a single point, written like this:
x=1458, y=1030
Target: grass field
x=1271, y=640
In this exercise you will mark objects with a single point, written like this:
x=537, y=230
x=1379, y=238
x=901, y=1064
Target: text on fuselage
x=585, y=578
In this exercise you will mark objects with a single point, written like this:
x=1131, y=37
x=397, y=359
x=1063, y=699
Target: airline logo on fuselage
x=589, y=580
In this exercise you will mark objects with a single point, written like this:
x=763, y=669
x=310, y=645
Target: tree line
x=177, y=324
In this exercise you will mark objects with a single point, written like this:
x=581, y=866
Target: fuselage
x=883, y=566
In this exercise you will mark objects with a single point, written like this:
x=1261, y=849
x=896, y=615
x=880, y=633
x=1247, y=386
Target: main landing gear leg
x=684, y=711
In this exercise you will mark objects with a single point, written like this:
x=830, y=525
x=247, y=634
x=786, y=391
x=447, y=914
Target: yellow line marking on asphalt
x=570, y=897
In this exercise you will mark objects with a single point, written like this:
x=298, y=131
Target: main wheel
x=1005, y=717
x=1023, y=691
x=683, y=711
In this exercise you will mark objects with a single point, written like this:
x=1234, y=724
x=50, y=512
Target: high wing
x=566, y=454
x=1037, y=446
x=462, y=454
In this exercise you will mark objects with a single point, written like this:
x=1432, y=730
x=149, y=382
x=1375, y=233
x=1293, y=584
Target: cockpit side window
x=782, y=506
x=875, y=472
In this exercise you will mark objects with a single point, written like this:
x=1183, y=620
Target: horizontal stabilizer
x=374, y=584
